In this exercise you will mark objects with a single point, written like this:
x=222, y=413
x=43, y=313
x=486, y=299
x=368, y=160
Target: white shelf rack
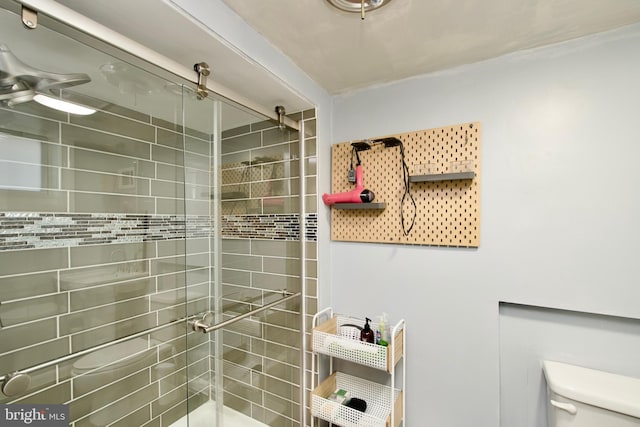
x=332, y=336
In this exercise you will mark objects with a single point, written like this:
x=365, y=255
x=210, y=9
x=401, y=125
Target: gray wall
x=530, y=335
x=559, y=209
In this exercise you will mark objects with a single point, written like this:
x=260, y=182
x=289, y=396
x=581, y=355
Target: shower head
x=20, y=82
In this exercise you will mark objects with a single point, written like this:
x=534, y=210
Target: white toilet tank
x=581, y=397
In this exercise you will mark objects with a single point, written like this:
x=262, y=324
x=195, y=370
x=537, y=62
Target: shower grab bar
x=19, y=381
x=22, y=373
x=199, y=325
x=99, y=347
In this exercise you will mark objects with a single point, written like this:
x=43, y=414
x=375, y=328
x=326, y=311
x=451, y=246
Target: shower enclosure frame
x=85, y=25
x=86, y=30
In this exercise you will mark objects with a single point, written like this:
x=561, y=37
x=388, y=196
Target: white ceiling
x=411, y=37
x=341, y=52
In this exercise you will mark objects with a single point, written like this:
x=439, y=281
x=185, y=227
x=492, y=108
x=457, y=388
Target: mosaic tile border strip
x=273, y=227
x=47, y=230
x=311, y=227
x=20, y=230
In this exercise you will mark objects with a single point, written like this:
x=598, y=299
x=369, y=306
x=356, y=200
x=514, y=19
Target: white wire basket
x=377, y=397
x=334, y=338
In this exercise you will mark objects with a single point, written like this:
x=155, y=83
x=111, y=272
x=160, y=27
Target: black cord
x=407, y=194
x=406, y=182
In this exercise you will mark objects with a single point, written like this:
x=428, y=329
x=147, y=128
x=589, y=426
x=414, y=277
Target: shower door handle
x=205, y=328
x=203, y=321
x=199, y=326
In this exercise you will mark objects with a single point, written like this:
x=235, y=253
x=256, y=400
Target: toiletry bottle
x=382, y=330
x=367, y=334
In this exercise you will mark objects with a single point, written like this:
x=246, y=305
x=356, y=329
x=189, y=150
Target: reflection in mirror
x=20, y=164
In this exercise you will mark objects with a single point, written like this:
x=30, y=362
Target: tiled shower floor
x=205, y=416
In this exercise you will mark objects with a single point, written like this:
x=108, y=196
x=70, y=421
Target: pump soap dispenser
x=367, y=334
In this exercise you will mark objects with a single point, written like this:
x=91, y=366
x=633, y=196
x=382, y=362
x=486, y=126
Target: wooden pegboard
x=448, y=212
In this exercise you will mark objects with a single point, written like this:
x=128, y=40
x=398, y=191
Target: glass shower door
x=93, y=247
x=118, y=226
x=201, y=121
x=253, y=207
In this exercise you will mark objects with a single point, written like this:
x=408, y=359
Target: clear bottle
x=383, y=331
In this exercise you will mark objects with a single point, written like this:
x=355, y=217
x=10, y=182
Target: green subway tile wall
x=92, y=248
x=260, y=187
x=93, y=234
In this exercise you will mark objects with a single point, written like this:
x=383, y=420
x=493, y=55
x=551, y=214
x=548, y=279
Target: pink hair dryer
x=357, y=195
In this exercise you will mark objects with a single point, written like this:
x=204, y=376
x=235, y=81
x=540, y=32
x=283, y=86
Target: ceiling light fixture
x=62, y=105
x=356, y=6
x=20, y=83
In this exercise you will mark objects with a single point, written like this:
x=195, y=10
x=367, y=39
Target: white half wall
x=560, y=209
